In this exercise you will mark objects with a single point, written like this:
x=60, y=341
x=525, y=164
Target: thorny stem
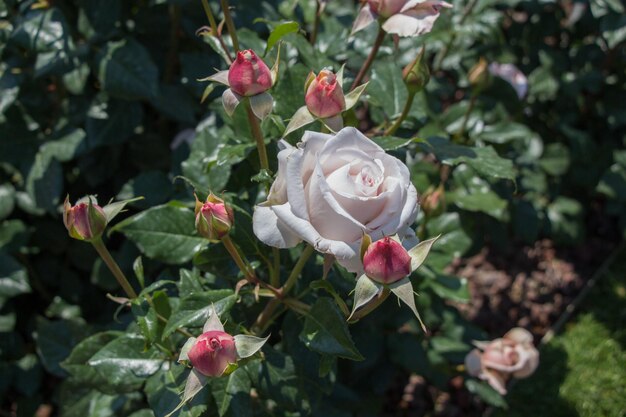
x=407, y=107
x=267, y=316
x=295, y=273
x=230, y=24
x=245, y=268
x=316, y=23
x=275, y=277
x=214, y=29
x=370, y=58
x=258, y=136
x=98, y=244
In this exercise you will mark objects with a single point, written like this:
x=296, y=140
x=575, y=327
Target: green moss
x=583, y=370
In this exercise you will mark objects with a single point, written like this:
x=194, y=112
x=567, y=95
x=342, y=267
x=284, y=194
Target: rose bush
x=330, y=190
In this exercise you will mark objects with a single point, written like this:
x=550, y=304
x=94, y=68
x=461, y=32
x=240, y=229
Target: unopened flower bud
x=416, y=74
x=479, y=74
x=213, y=352
x=248, y=75
x=324, y=96
x=214, y=218
x=386, y=8
x=386, y=261
x=433, y=201
x=84, y=221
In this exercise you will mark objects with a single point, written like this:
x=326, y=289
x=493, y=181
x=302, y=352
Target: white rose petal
x=331, y=189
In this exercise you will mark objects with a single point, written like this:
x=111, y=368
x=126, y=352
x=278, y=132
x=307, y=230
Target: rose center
x=215, y=343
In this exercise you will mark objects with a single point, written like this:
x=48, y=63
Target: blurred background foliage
x=102, y=97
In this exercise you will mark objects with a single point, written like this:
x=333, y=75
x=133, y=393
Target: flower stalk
x=230, y=24
x=405, y=112
x=104, y=253
x=214, y=29
x=370, y=58
x=257, y=133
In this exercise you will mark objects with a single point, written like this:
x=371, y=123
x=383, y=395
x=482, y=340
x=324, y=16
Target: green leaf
x=164, y=390
x=278, y=32
x=449, y=287
x=195, y=310
x=124, y=360
x=110, y=121
x=7, y=200
x=391, y=143
x=484, y=160
x=165, y=233
x=232, y=394
x=13, y=278
x=147, y=315
x=325, y=331
x=76, y=400
x=484, y=391
x=55, y=340
x=555, y=159
x=77, y=365
x=386, y=91
x=126, y=70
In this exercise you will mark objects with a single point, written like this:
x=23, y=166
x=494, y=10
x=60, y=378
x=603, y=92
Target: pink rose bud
x=386, y=261
x=248, y=75
x=213, y=352
x=478, y=76
x=433, y=201
x=214, y=218
x=84, y=221
x=386, y=8
x=324, y=96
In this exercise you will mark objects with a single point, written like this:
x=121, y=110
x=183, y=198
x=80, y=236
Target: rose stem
x=258, y=136
x=267, y=317
x=275, y=276
x=316, y=23
x=407, y=106
x=113, y=267
x=370, y=58
x=370, y=307
x=244, y=267
x=295, y=273
x=230, y=24
x=214, y=31
x=121, y=279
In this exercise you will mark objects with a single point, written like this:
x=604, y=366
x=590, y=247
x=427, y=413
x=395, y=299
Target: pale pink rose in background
x=497, y=361
x=511, y=74
x=330, y=190
x=386, y=261
x=324, y=97
x=402, y=17
x=212, y=352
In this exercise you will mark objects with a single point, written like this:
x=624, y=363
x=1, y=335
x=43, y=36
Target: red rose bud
x=386, y=8
x=213, y=352
x=248, y=75
x=214, y=218
x=84, y=221
x=324, y=96
x=386, y=261
x=416, y=74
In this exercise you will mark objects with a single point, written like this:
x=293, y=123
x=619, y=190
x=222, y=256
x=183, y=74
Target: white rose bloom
x=329, y=190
